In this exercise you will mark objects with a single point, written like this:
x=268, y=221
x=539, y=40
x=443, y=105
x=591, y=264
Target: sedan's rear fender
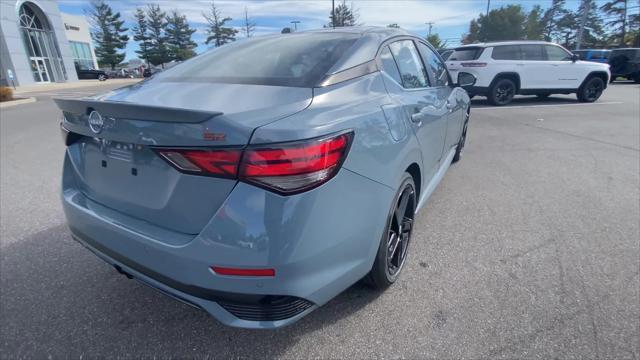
x=363, y=106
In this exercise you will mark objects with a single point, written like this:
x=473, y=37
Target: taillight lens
x=286, y=168
x=223, y=163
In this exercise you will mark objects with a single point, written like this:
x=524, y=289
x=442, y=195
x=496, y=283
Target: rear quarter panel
x=356, y=105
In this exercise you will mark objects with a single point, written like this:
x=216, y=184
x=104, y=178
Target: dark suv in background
x=625, y=63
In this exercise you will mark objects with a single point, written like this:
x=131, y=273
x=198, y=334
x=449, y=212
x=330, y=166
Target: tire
x=102, y=77
x=591, y=90
x=461, y=142
x=543, y=96
x=502, y=92
x=636, y=78
x=387, y=267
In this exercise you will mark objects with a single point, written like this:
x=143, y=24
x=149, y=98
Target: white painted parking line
x=543, y=105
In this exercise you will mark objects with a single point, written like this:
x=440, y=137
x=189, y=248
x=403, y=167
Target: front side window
x=298, y=60
x=411, y=69
x=506, y=52
x=532, y=52
x=389, y=65
x=435, y=68
x=556, y=53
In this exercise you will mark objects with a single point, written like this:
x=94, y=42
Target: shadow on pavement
x=60, y=300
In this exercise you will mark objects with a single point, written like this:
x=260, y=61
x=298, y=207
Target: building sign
x=71, y=27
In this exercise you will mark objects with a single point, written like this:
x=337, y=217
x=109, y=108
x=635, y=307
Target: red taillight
x=473, y=64
x=243, y=272
x=285, y=168
x=207, y=162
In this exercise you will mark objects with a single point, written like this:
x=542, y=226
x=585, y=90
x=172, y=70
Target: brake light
x=286, y=168
x=473, y=64
x=216, y=162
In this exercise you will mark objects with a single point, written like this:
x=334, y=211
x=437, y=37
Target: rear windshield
x=299, y=60
x=467, y=53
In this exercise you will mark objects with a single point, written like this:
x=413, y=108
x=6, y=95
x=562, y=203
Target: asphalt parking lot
x=529, y=248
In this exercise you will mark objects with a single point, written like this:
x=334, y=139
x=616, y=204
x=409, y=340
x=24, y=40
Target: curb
x=6, y=104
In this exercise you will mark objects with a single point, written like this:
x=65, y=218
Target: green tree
x=505, y=23
x=567, y=29
x=593, y=34
x=217, y=31
x=141, y=35
x=552, y=18
x=616, y=12
x=533, y=26
x=434, y=39
x=343, y=15
x=109, y=34
x=248, y=27
x=179, y=34
x=633, y=35
x=159, y=49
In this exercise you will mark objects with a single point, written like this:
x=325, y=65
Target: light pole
x=295, y=24
x=333, y=13
x=430, y=23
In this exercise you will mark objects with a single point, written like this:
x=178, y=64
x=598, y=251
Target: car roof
x=511, y=42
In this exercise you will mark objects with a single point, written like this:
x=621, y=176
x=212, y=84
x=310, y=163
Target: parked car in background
x=148, y=72
x=84, y=73
x=625, y=63
x=504, y=69
x=596, y=55
x=261, y=179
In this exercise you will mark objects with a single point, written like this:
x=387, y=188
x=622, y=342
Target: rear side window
x=556, y=53
x=411, y=69
x=506, y=52
x=435, y=68
x=532, y=52
x=465, y=54
x=389, y=65
x=299, y=60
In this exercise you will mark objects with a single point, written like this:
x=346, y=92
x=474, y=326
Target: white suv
x=504, y=69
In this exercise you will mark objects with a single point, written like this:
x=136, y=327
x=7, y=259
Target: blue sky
x=451, y=18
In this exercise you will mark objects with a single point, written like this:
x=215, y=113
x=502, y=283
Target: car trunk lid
x=113, y=154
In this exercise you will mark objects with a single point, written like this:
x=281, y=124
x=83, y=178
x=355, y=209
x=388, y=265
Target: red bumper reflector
x=243, y=272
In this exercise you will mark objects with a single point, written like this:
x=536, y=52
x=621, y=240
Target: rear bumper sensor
x=269, y=308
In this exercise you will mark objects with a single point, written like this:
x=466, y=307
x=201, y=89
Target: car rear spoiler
x=134, y=111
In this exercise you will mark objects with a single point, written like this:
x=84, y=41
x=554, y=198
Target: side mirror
x=575, y=57
x=466, y=80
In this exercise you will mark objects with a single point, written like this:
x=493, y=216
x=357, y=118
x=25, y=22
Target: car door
x=561, y=72
x=441, y=82
x=424, y=106
x=532, y=66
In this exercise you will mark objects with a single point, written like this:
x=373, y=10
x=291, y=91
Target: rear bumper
x=319, y=243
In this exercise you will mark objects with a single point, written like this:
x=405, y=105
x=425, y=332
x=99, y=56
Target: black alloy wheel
x=502, y=92
x=462, y=141
x=394, y=245
x=591, y=90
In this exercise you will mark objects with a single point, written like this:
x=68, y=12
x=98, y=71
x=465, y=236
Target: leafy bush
x=6, y=93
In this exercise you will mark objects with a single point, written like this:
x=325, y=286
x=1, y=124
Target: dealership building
x=39, y=44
